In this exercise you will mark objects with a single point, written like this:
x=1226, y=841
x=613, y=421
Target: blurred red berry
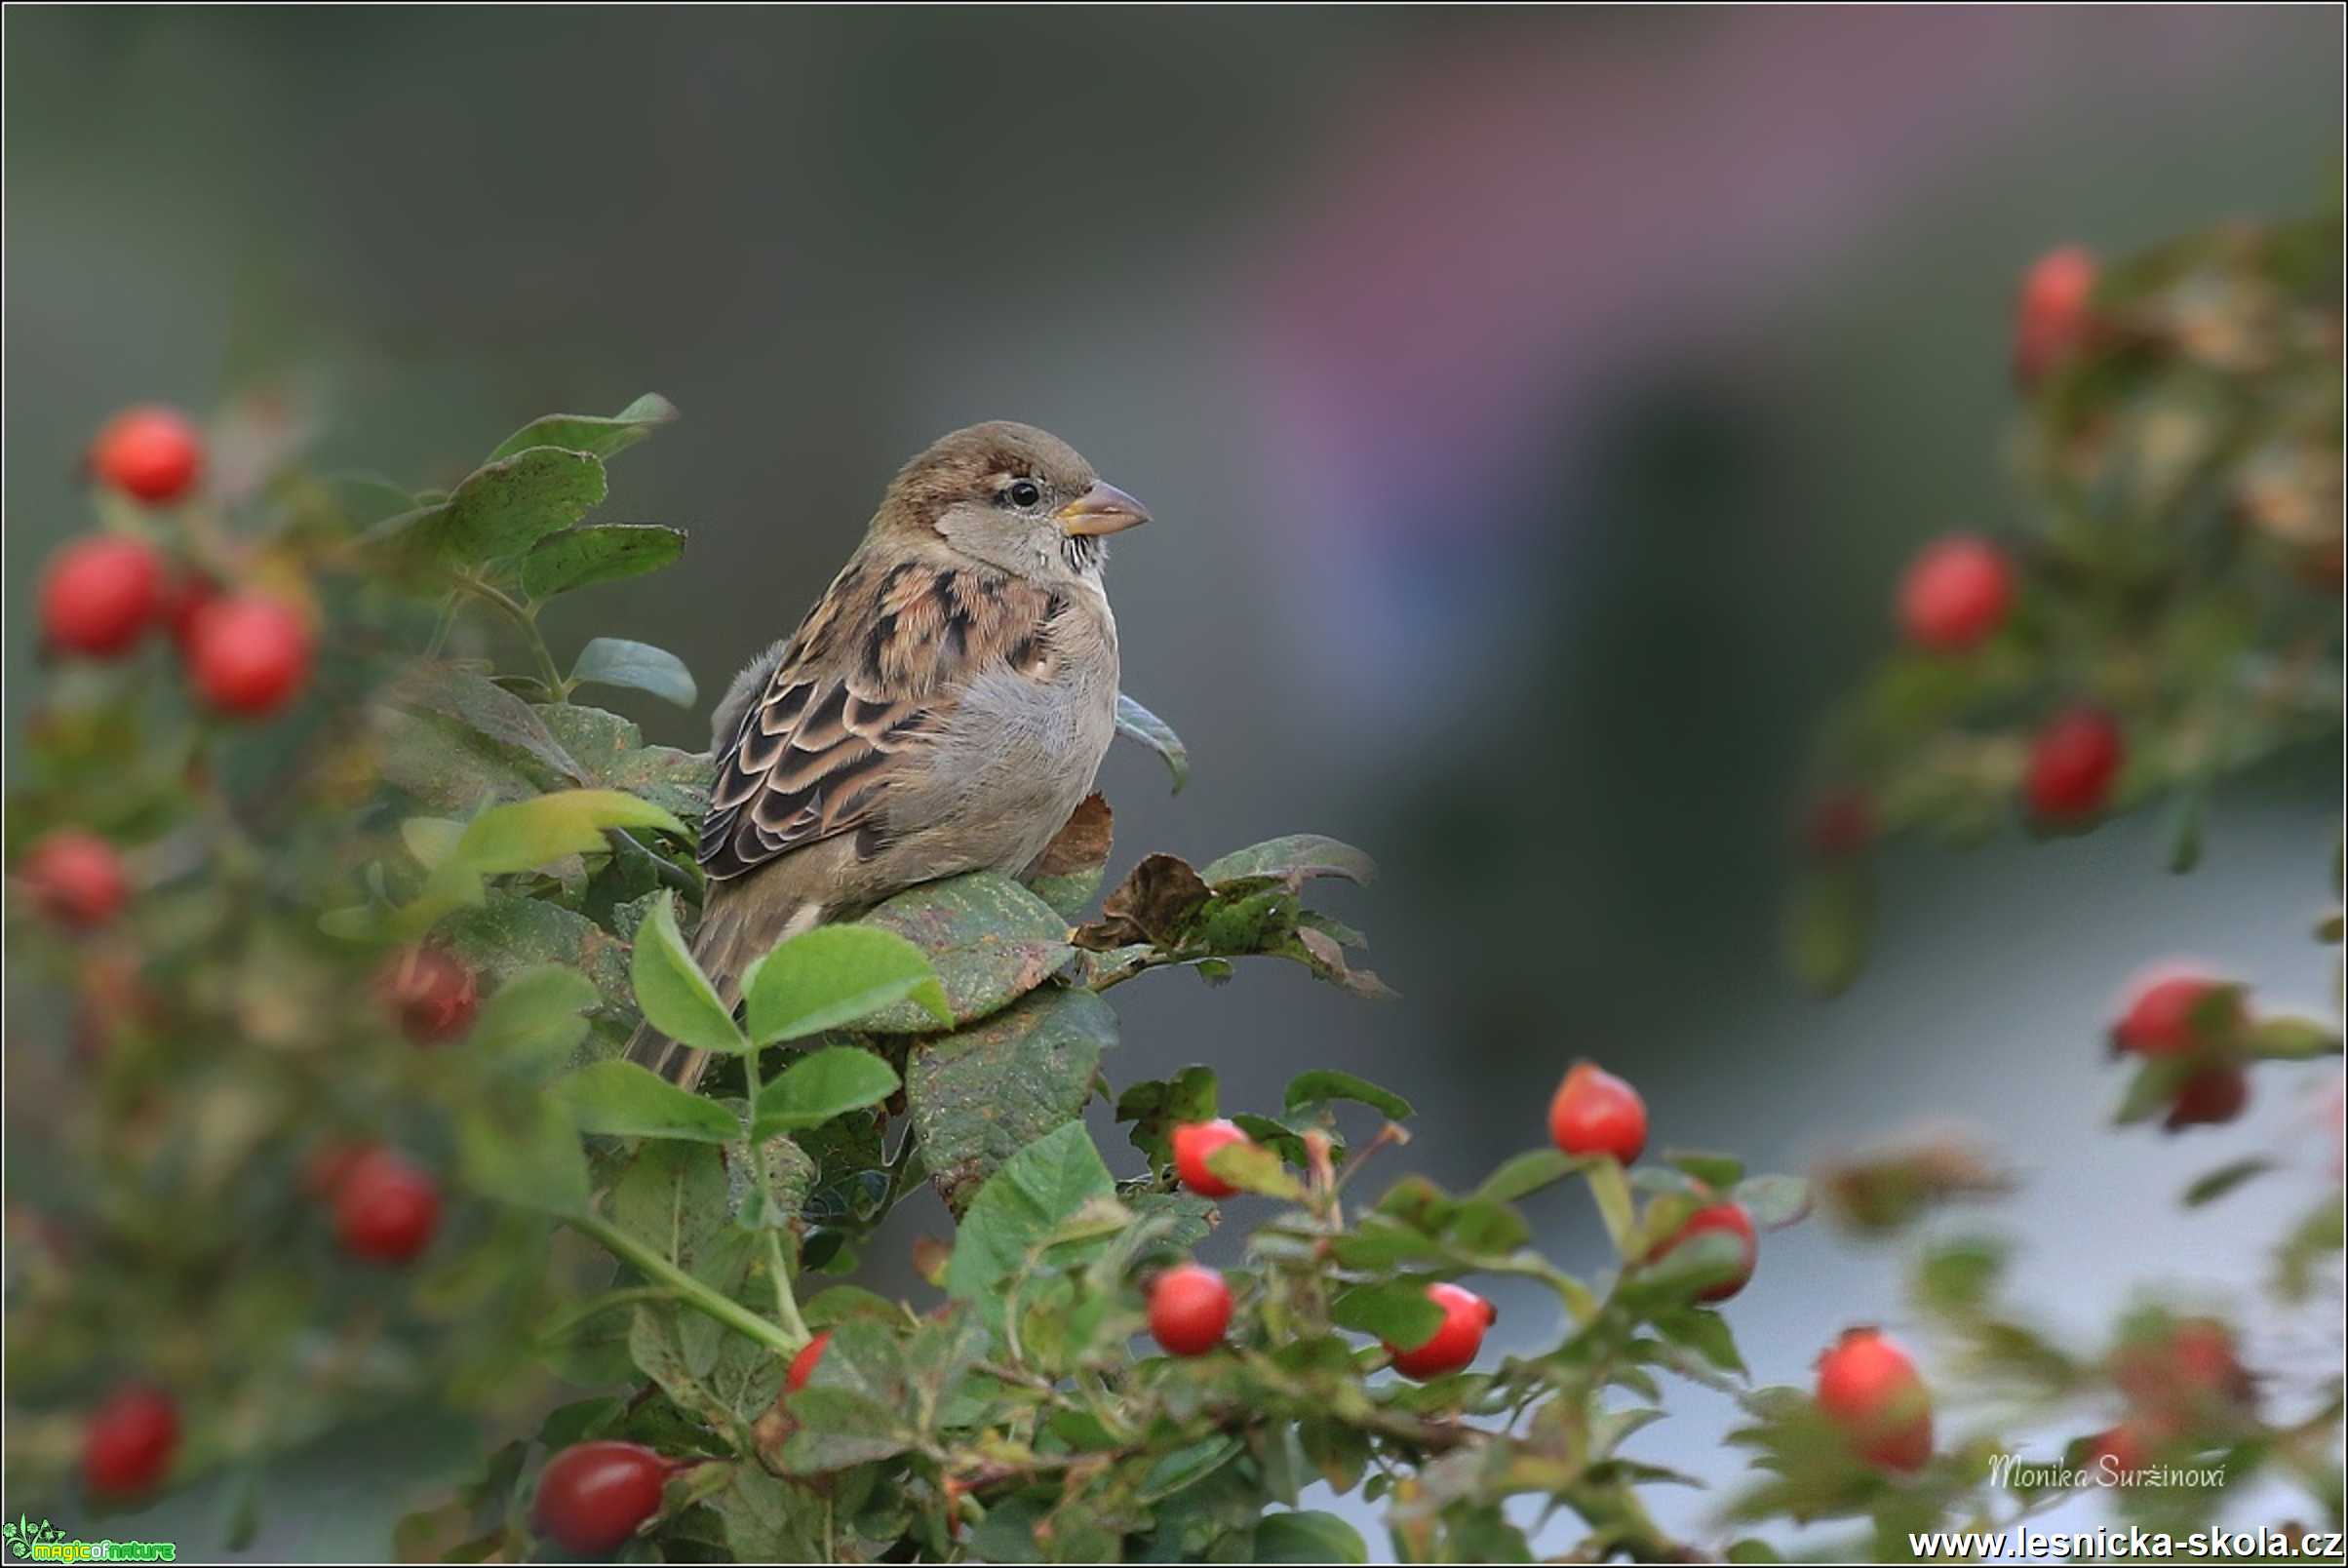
x=99, y=595
x=248, y=654
x=1727, y=1219
x=128, y=1442
x=1869, y=1387
x=385, y=1209
x=1595, y=1113
x=151, y=453
x=803, y=1366
x=2120, y=1451
x=2159, y=1021
x=1193, y=1142
x=2052, y=319
x=76, y=879
x=592, y=1496
x=2187, y=1371
x=1840, y=823
x=1466, y=1316
x=1955, y=594
x=2212, y=1096
x=431, y=994
x=1189, y=1307
x=2073, y=763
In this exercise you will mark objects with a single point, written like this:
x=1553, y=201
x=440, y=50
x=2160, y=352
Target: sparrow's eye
x=1022, y=492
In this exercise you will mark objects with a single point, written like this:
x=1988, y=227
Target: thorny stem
x=688, y=1291
x=786, y=1305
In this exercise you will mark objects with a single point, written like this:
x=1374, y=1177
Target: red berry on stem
x=1595, y=1113
x=1193, y=1142
x=129, y=1441
x=592, y=1496
x=1869, y=1387
x=385, y=1209
x=803, y=1366
x=151, y=453
x=1466, y=1316
x=76, y=879
x=1729, y=1219
x=1955, y=594
x=431, y=993
x=2212, y=1096
x=2052, y=319
x=2073, y=763
x=99, y=595
x=2159, y=1021
x=1189, y=1307
x=248, y=654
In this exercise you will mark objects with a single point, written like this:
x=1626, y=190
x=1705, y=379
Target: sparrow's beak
x=1102, y=509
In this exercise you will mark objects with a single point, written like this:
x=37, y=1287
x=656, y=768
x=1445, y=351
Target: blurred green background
x=1536, y=407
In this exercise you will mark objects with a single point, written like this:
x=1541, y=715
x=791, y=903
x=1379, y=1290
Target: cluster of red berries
x=2198, y=1021
x=1595, y=1113
x=247, y=655
x=2189, y=1377
x=385, y=1209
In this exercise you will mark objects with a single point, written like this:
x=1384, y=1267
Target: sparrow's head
x=1011, y=496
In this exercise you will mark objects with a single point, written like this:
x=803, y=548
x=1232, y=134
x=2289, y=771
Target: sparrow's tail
x=734, y=931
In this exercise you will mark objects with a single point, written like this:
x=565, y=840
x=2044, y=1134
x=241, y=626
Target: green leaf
x=628, y=1101
x=596, y=553
x=2217, y=1183
x=611, y=754
x=1705, y=1332
x=1253, y=1168
x=1308, y=1536
x=592, y=433
x=1292, y=859
x=534, y=1017
x=817, y=1087
x=615, y=661
x=501, y=510
x=990, y=941
x=1526, y=1174
x=1826, y=927
x=1613, y=1195
x=675, y=997
x=834, y=976
x=451, y=737
x=1721, y=1171
x=528, y=1155
x=1396, y=1311
x=1773, y=1201
x=1137, y=723
x=530, y=833
x=980, y=1095
x=1323, y=1084
x=1036, y=1189
x=2292, y=1039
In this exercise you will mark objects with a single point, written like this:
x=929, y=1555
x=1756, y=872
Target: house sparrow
x=942, y=709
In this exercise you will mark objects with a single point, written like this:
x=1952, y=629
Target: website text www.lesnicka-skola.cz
x=2133, y=1543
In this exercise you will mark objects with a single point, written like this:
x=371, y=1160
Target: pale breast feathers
x=855, y=697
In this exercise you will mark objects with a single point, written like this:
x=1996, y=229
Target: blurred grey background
x=1536, y=406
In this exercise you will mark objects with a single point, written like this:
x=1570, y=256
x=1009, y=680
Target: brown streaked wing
x=854, y=697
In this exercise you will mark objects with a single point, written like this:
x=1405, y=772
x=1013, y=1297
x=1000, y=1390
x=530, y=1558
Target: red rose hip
x=1189, y=1307
x=2052, y=319
x=1727, y=1219
x=803, y=1366
x=385, y=1209
x=99, y=595
x=431, y=993
x=2209, y=1097
x=1466, y=1316
x=592, y=1496
x=1193, y=1142
x=1869, y=1387
x=2159, y=1021
x=248, y=654
x=128, y=1442
x=1595, y=1113
x=76, y=879
x=2073, y=763
x=150, y=454
x=1955, y=594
